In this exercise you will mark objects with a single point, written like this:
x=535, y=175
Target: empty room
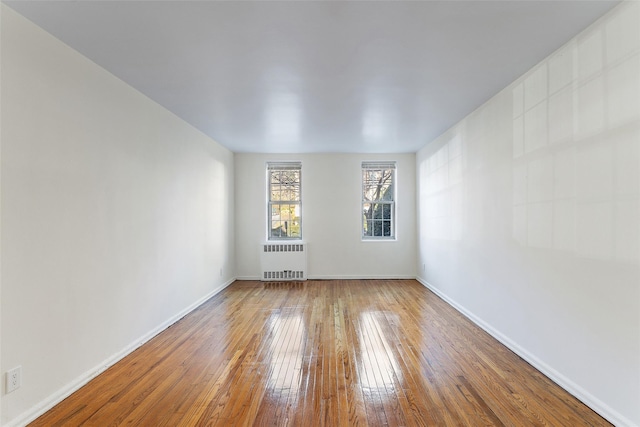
x=320, y=213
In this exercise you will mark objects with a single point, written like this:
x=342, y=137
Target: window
x=284, y=210
x=378, y=200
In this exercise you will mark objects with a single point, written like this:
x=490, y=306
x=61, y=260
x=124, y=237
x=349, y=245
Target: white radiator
x=283, y=261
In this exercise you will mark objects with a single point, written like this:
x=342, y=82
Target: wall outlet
x=220, y=272
x=14, y=379
x=424, y=267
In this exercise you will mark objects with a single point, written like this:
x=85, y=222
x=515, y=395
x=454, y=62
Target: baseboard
x=57, y=397
x=596, y=404
x=578, y=392
x=344, y=277
x=360, y=277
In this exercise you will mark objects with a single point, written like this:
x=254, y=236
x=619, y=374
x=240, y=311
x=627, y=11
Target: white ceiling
x=335, y=76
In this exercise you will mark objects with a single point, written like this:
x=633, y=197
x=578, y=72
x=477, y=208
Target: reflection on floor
x=322, y=353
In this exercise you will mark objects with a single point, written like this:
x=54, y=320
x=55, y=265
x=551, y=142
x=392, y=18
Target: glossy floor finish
x=322, y=353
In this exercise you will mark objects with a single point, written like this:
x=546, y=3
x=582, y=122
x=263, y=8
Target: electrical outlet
x=424, y=267
x=14, y=379
x=220, y=272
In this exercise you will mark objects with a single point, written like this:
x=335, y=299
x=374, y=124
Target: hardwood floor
x=322, y=353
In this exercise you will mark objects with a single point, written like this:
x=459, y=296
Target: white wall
x=116, y=217
x=331, y=195
x=529, y=215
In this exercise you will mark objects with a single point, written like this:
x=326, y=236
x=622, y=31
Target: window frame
x=379, y=165
x=282, y=166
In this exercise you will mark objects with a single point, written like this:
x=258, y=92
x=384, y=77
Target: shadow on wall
x=441, y=192
x=576, y=138
x=576, y=153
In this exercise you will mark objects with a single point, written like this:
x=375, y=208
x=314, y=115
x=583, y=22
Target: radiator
x=283, y=261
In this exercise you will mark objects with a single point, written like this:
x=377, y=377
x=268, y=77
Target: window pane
x=286, y=212
x=285, y=220
x=367, y=227
x=377, y=228
x=285, y=185
x=277, y=229
x=377, y=184
x=366, y=219
x=377, y=211
x=293, y=229
x=386, y=211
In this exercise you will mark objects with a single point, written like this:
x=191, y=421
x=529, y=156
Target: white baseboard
x=344, y=277
x=587, y=398
x=57, y=397
x=360, y=277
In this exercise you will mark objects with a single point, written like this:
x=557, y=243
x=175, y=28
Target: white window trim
x=394, y=203
x=280, y=165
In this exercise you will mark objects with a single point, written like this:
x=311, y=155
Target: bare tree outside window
x=378, y=200
x=284, y=210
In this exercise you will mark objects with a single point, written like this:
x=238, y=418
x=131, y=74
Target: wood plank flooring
x=322, y=353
